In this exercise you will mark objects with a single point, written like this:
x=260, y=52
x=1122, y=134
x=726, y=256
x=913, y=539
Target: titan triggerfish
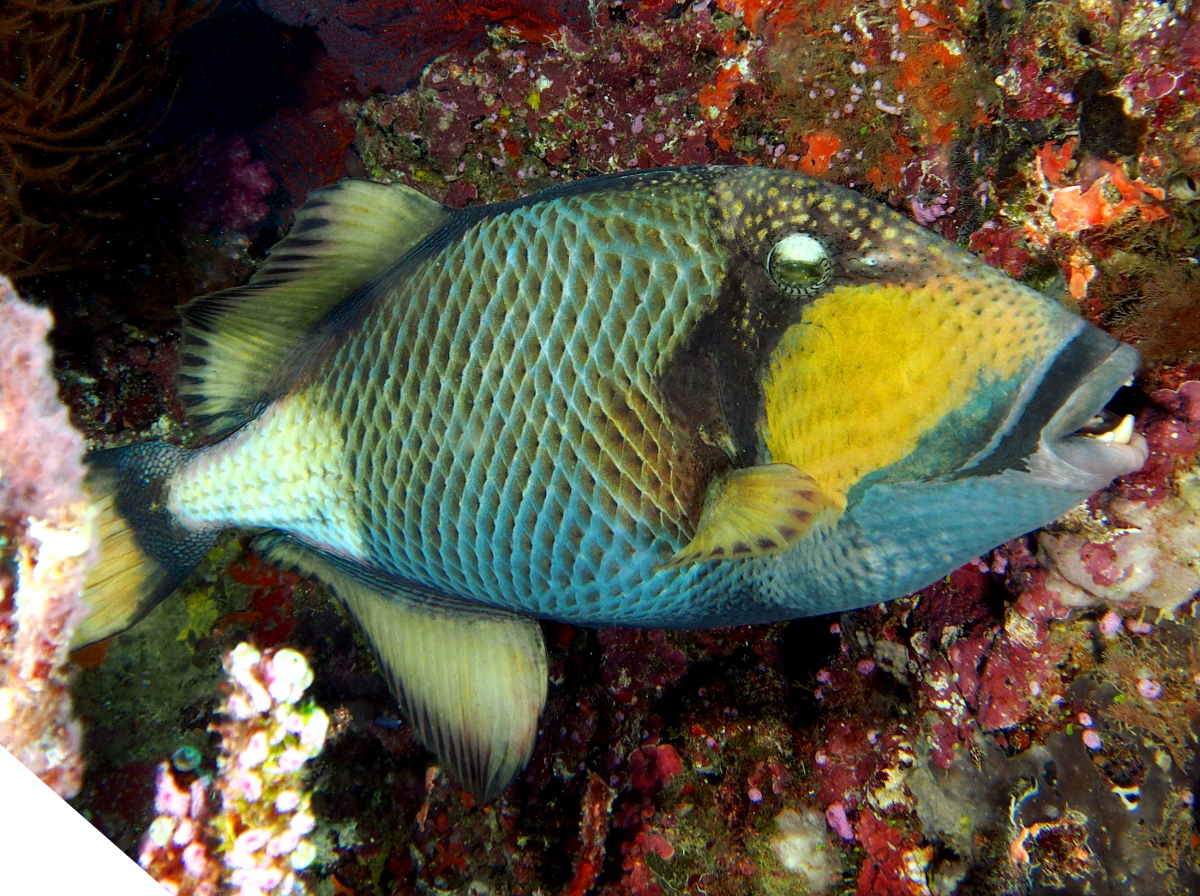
x=675, y=398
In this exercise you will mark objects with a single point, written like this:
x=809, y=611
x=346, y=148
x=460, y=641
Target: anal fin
x=470, y=679
x=754, y=512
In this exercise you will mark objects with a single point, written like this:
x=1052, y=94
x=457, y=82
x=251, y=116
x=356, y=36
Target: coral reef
x=255, y=843
x=45, y=548
x=516, y=118
x=1026, y=725
x=385, y=44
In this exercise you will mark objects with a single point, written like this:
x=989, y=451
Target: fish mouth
x=1060, y=431
x=1086, y=435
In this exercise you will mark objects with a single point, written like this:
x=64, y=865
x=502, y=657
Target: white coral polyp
x=289, y=675
x=801, y=844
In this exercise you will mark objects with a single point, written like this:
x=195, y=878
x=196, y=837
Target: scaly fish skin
x=505, y=422
x=677, y=398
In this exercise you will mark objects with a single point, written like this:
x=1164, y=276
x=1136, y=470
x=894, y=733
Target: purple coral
x=228, y=188
x=835, y=815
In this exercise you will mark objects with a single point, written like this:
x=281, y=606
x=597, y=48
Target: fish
x=673, y=398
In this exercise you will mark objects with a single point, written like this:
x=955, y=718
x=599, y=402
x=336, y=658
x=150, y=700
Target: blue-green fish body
x=674, y=398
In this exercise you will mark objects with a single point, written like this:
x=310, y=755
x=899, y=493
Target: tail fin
x=144, y=552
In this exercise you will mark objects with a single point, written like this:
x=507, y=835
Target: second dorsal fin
x=344, y=236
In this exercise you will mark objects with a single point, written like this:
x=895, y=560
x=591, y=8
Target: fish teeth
x=1124, y=431
x=1120, y=434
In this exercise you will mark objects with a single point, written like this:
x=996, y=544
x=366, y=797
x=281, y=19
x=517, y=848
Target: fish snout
x=1084, y=443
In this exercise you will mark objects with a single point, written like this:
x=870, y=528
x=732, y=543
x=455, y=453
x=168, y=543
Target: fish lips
x=1072, y=450
x=1056, y=432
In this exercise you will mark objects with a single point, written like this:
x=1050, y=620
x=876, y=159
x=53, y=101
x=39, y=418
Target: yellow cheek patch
x=870, y=369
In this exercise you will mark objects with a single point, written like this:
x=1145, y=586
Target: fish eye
x=800, y=264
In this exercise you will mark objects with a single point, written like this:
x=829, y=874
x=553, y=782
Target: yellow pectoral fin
x=754, y=512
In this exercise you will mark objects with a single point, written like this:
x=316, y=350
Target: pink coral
x=178, y=849
x=1166, y=60
x=43, y=518
x=1003, y=247
x=257, y=842
x=1014, y=678
x=42, y=474
x=850, y=763
x=1030, y=92
x=639, y=880
x=835, y=815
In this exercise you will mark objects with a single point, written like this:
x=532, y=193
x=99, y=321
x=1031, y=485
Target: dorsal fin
x=235, y=340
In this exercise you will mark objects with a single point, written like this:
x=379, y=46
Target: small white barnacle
x=800, y=264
